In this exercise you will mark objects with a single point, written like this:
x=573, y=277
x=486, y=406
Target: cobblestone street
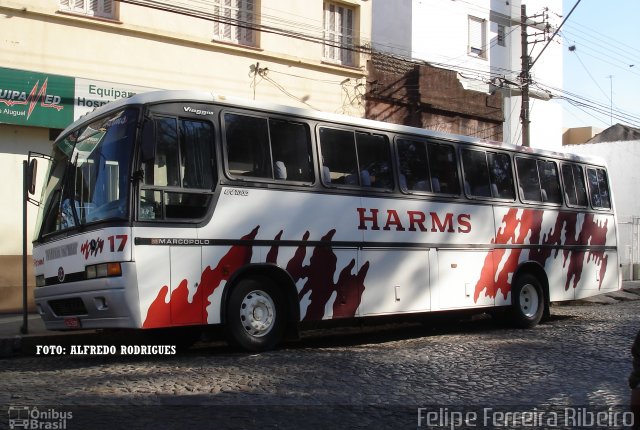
x=346, y=378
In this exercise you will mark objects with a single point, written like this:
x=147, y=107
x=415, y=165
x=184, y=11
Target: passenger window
x=248, y=152
x=528, y=179
x=176, y=154
x=538, y=180
x=550, y=182
x=268, y=149
x=501, y=176
x=291, y=149
x=599, y=188
x=444, y=169
x=429, y=167
x=357, y=159
x=374, y=158
x=487, y=174
x=476, y=173
x=339, y=163
x=575, y=190
x=414, y=166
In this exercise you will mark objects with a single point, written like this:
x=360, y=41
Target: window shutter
x=234, y=19
x=79, y=6
x=476, y=36
x=338, y=33
x=107, y=8
x=92, y=8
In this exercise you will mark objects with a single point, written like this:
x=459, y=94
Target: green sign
x=37, y=99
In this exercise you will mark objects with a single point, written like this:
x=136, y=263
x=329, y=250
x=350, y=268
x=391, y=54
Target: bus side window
x=414, y=166
x=528, y=179
x=549, y=181
x=574, y=187
x=291, y=151
x=339, y=156
x=476, y=173
x=501, y=176
x=444, y=169
x=538, y=180
x=181, y=159
x=248, y=150
x=374, y=158
x=599, y=188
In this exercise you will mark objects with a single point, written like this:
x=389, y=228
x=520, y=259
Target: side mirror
x=32, y=171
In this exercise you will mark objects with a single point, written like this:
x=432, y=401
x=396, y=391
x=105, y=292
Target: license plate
x=72, y=322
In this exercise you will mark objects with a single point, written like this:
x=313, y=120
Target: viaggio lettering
x=424, y=222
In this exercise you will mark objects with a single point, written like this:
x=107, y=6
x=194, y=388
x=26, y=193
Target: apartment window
x=97, y=8
x=502, y=37
x=235, y=21
x=339, y=22
x=477, y=37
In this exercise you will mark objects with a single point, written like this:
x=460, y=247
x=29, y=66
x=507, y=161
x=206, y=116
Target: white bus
x=173, y=209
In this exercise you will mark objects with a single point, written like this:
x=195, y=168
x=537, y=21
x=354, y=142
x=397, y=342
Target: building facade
x=63, y=58
x=479, y=43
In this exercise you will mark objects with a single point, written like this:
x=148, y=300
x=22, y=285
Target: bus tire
x=255, y=315
x=527, y=301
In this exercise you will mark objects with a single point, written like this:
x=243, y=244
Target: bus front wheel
x=255, y=315
x=527, y=301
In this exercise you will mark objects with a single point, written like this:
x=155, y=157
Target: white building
x=481, y=40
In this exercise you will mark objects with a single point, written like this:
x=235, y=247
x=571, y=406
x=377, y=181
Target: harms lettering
x=414, y=221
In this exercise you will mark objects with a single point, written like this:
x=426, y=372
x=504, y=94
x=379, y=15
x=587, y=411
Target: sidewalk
x=13, y=342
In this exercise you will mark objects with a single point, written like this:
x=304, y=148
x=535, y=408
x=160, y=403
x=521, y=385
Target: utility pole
x=525, y=77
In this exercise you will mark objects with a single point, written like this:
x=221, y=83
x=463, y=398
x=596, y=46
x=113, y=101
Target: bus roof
x=152, y=97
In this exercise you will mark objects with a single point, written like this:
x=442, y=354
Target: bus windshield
x=88, y=179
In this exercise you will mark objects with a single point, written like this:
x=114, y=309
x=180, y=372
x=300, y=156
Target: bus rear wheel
x=527, y=301
x=255, y=315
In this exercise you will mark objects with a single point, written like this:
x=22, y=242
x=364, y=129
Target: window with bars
x=502, y=38
x=97, y=8
x=477, y=37
x=339, y=22
x=235, y=21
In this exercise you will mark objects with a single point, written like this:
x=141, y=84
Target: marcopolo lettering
x=414, y=221
x=177, y=241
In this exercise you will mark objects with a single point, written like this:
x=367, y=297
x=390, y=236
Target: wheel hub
x=257, y=313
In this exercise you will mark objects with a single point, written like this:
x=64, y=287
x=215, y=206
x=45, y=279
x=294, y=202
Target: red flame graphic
x=528, y=227
x=179, y=311
x=319, y=274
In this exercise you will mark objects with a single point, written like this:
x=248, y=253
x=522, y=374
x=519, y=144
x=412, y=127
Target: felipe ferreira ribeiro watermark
x=563, y=417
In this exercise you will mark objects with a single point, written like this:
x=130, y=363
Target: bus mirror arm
x=137, y=176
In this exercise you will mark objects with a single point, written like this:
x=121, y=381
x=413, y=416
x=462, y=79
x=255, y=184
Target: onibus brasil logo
x=30, y=417
x=16, y=98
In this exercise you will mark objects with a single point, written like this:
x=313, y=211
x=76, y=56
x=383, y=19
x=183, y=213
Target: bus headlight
x=103, y=270
x=40, y=282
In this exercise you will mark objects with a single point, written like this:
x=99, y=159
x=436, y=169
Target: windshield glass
x=89, y=175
